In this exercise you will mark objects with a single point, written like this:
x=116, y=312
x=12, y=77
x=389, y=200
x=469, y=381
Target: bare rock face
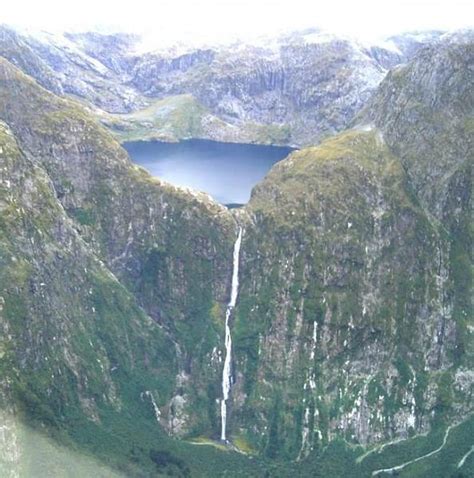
x=294, y=89
x=422, y=99
x=64, y=66
x=313, y=89
x=14, y=48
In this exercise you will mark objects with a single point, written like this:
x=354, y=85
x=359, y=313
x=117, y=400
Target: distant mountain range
x=293, y=89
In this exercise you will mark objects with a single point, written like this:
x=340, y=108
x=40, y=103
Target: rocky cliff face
x=354, y=317
x=293, y=89
x=337, y=335
x=64, y=66
x=130, y=304
x=310, y=84
x=425, y=114
x=61, y=314
x=92, y=176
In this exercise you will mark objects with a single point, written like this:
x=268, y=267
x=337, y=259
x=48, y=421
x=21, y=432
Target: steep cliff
x=355, y=316
x=353, y=324
x=110, y=303
x=308, y=85
x=73, y=338
x=289, y=89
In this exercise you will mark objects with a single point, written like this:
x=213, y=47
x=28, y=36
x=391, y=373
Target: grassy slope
x=170, y=119
x=183, y=117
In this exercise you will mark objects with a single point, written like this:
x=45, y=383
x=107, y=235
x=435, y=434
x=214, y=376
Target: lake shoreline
x=226, y=171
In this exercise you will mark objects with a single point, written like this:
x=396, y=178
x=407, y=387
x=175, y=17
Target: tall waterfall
x=227, y=373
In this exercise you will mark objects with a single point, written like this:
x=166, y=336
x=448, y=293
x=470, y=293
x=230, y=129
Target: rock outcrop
x=294, y=89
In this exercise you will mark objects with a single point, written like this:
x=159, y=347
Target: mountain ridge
x=274, y=87
x=353, y=325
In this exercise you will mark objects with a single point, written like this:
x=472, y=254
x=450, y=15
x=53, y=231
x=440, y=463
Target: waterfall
x=227, y=373
x=155, y=406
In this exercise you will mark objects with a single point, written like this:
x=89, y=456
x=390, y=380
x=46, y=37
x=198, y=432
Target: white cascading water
x=155, y=406
x=227, y=373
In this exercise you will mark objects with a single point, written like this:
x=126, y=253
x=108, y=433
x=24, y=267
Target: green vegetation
x=354, y=317
x=170, y=119
x=277, y=134
x=182, y=117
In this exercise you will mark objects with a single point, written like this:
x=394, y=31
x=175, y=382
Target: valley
x=323, y=328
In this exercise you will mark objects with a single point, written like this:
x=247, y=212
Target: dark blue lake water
x=226, y=171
